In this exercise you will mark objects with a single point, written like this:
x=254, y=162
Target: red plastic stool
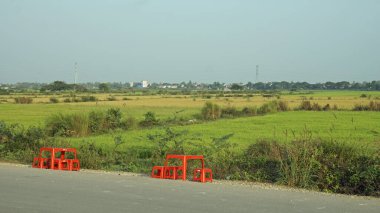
x=170, y=172
x=74, y=165
x=179, y=169
x=157, y=172
x=201, y=175
x=40, y=163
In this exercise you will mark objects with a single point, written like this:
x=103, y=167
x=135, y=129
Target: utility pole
x=257, y=73
x=75, y=76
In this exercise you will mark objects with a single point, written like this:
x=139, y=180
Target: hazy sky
x=198, y=40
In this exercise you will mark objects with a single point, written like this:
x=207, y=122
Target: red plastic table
x=184, y=159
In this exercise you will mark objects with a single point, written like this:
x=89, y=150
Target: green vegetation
x=319, y=140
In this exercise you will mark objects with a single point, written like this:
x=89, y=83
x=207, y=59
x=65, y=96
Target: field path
x=23, y=189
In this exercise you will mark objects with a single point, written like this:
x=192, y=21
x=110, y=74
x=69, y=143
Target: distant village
x=144, y=84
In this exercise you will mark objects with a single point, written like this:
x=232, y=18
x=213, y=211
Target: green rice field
x=351, y=127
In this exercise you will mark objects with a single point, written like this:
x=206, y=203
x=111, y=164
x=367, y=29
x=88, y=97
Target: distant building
x=144, y=84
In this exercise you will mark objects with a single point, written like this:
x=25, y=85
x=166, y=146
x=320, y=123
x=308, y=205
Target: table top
x=171, y=156
x=58, y=149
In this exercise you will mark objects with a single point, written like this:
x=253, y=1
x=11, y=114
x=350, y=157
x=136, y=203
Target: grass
x=36, y=114
x=163, y=106
x=346, y=126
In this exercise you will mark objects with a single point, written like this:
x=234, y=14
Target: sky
x=198, y=40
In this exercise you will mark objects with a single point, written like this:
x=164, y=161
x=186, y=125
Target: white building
x=144, y=84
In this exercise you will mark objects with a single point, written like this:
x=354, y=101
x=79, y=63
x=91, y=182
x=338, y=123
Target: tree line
x=118, y=86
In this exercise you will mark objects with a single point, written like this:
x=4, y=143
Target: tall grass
x=371, y=106
x=311, y=163
x=23, y=100
x=67, y=125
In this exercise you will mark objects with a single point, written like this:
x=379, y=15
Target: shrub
x=211, y=111
x=260, y=162
x=129, y=123
x=230, y=112
x=268, y=108
x=249, y=111
x=90, y=156
x=113, y=118
x=305, y=105
x=326, y=107
x=23, y=100
x=372, y=106
x=316, y=107
x=308, y=163
x=282, y=106
x=308, y=106
x=111, y=98
x=54, y=100
x=18, y=143
x=97, y=121
x=67, y=125
x=88, y=98
x=222, y=157
x=149, y=120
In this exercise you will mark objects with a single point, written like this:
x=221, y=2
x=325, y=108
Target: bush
x=211, y=111
x=113, y=118
x=129, y=123
x=230, y=112
x=111, y=98
x=308, y=106
x=249, y=111
x=305, y=105
x=372, y=106
x=260, y=162
x=316, y=107
x=326, y=107
x=18, y=143
x=88, y=98
x=268, y=108
x=90, y=156
x=97, y=121
x=54, y=100
x=149, y=120
x=23, y=100
x=307, y=163
x=67, y=125
x=282, y=106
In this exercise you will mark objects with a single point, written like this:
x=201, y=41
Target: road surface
x=24, y=189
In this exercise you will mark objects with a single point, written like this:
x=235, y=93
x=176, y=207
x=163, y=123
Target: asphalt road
x=24, y=189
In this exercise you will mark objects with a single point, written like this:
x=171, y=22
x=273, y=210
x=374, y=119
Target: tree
x=104, y=87
x=57, y=86
x=236, y=87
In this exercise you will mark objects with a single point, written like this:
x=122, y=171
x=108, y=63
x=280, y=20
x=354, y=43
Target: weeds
x=371, y=106
x=23, y=100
